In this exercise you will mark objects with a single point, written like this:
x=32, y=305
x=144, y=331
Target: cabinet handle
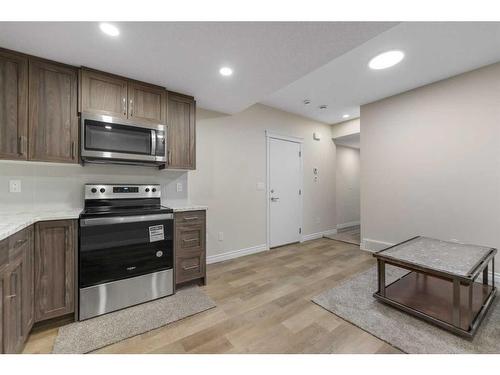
x=191, y=218
x=124, y=106
x=190, y=267
x=169, y=159
x=131, y=104
x=11, y=296
x=191, y=240
x=72, y=150
x=19, y=145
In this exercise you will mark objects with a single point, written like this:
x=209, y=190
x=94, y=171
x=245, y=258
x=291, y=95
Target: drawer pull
x=191, y=218
x=191, y=240
x=190, y=267
x=11, y=296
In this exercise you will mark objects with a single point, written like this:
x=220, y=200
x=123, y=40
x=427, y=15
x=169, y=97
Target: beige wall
x=346, y=128
x=347, y=182
x=430, y=162
x=231, y=160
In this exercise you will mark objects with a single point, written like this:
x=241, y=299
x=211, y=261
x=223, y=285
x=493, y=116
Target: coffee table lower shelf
x=431, y=298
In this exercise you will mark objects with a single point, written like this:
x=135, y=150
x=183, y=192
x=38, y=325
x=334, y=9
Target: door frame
x=271, y=135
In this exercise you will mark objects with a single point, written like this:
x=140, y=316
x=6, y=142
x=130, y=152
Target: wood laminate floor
x=263, y=306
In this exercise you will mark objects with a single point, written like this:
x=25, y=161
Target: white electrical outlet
x=179, y=187
x=15, y=186
x=221, y=236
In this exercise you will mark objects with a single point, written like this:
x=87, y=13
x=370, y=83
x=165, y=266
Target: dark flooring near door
x=263, y=306
x=350, y=235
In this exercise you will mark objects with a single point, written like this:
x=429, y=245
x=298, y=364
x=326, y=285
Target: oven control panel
x=112, y=191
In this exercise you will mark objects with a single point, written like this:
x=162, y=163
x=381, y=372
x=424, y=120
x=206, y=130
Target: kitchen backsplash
x=54, y=186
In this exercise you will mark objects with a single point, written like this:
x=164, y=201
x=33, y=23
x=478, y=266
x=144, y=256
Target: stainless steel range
x=126, y=248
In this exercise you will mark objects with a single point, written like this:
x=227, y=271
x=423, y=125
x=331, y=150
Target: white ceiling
x=276, y=63
x=186, y=57
x=434, y=51
x=350, y=140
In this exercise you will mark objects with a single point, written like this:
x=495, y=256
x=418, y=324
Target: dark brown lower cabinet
x=55, y=243
x=16, y=290
x=190, y=246
x=36, y=279
x=13, y=294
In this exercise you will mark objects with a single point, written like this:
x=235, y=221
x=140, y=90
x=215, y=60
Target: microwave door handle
x=153, y=142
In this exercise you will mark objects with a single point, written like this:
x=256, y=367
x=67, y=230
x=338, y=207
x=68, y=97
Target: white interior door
x=284, y=192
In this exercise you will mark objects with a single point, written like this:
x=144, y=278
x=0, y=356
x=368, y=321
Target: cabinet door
x=13, y=324
x=181, y=132
x=28, y=306
x=103, y=94
x=146, y=103
x=13, y=105
x=54, y=268
x=2, y=286
x=53, y=121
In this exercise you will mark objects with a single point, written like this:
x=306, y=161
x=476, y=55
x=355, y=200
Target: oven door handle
x=124, y=219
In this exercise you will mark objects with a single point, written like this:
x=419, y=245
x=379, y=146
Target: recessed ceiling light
x=109, y=29
x=346, y=116
x=323, y=106
x=386, y=60
x=226, y=71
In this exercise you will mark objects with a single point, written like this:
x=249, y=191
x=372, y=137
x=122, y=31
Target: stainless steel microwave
x=107, y=139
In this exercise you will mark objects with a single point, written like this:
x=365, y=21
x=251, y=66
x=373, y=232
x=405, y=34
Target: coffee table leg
x=470, y=311
x=485, y=275
x=456, y=302
x=381, y=277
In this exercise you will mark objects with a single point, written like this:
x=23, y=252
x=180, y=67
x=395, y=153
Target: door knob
x=273, y=199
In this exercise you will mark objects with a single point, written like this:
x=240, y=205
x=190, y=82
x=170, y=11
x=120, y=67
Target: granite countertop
x=14, y=221
x=182, y=205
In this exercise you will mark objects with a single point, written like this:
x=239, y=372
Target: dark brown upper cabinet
x=181, y=123
x=146, y=103
x=107, y=94
x=55, y=248
x=13, y=105
x=103, y=94
x=53, y=121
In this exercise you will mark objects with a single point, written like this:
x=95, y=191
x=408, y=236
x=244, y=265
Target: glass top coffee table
x=441, y=285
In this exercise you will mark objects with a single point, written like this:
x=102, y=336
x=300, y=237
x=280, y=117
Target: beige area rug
x=353, y=301
x=96, y=333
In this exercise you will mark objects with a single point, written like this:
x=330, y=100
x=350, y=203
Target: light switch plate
x=221, y=236
x=179, y=187
x=15, y=186
x=260, y=186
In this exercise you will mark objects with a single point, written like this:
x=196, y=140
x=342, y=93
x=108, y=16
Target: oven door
x=105, y=137
x=116, y=248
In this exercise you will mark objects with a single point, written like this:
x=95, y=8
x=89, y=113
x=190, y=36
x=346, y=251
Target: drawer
x=18, y=242
x=189, y=266
x=190, y=218
x=190, y=237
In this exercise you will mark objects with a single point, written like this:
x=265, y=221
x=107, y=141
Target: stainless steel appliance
x=125, y=255
x=107, y=139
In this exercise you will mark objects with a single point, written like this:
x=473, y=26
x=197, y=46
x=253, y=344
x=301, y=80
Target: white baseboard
x=374, y=245
x=315, y=236
x=348, y=224
x=236, y=253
